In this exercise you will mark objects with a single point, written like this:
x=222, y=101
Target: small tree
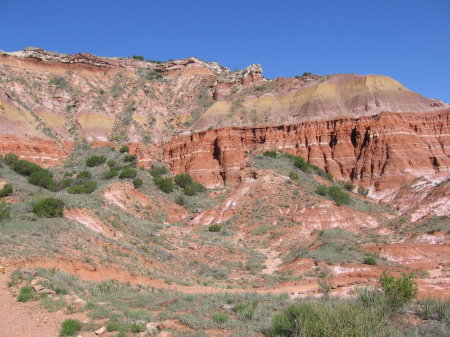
x=399, y=290
x=127, y=172
x=124, y=148
x=49, y=208
x=164, y=184
x=25, y=168
x=6, y=190
x=10, y=158
x=349, y=186
x=183, y=179
x=43, y=178
x=95, y=161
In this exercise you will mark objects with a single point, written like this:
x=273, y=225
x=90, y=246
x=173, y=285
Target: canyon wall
x=381, y=152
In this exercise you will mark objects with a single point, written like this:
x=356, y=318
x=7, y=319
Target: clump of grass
x=69, y=327
x=271, y=154
x=136, y=327
x=219, y=317
x=25, y=294
x=215, y=228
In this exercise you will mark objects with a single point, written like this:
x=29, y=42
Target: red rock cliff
x=382, y=151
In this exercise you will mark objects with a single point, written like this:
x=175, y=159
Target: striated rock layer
x=382, y=151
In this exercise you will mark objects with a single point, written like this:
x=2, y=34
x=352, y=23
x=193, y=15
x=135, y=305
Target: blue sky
x=408, y=40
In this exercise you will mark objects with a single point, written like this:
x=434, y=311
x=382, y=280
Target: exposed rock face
x=383, y=151
x=251, y=74
x=50, y=101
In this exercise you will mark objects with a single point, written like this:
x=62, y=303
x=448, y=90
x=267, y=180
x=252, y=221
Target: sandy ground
x=27, y=319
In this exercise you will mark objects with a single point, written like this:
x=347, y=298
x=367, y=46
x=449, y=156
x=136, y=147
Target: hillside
x=203, y=201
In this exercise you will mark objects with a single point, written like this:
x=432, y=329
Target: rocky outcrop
x=381, y=152
x=251, y=74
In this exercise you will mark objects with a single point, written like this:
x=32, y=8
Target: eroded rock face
x=382, y=151
x=204, y=119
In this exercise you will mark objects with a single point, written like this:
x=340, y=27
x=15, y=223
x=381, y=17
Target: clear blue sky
x=408, y=40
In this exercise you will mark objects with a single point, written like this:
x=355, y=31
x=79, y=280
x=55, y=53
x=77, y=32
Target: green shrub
x=10, y=158
x=83, y=176
x=138, y=57
x=127, y=172
x=193, y=188
x=215, y=228
x=164, y=184
x=136, y=327
x=349, y=186
x=64, y=183
x=69, y=327
x=113, y=172
x=4, y=212
x=6, y=190
x=219, y=317
x=129, y=158
x=137, y=182
x=124, y=148
x=363, y=191
x=43, y=178
x=111, y=163
x=271, y=154
x=25, y=168
x=301, y=164
x=183, y=179
x=49, y=208
x=86, y=188
x=95, y=161
x=340, y=197
x=157, y=171
x=293, y=175
x=399, y=290
x=26, y=293
x=179, y=200
x=370, y=260
x=322, y=190
x=331, y=319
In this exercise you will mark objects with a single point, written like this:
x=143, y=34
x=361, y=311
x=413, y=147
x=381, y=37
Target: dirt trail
x=27, y=319
x=272, y=261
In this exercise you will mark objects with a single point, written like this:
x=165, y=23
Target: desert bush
x=363, y=191
x=322, y=190
x=25, y=168
x=113, y=172
x=330, y=319
x=127, y=172
x=137, y=182
x=193, y=188
x=183, y=179
x=338, y=195
x=6, y=190
x=219, y=317
x=157, y=171
x=398, y=291
x=179, y=200
x=124, y=148
x=349, y=186
x=293, y=175
x=215, y=228
x=370, y=260
x=83, y=176
x=5, y=213
x=43, y=178
x=64, y=183
x=111, y=163
x=271, y=154
x=61, y=83
x=164, y=184
x=136, y=327
x=25, y=294
x=10, y=158
x=49, y=208
x=95, y=161
x=86, y=188
x=138, y=57
x=69, y=327
x=129, y=158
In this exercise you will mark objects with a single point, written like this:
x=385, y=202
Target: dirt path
x=26, y=319
x=272, y=261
